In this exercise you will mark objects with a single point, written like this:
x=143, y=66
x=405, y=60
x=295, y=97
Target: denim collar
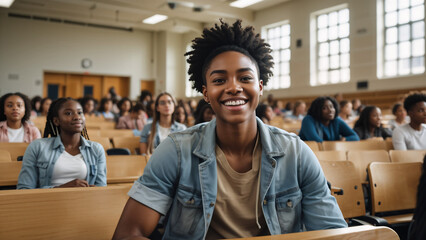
x=58, y=143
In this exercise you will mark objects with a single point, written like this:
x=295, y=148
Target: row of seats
x=372, y=144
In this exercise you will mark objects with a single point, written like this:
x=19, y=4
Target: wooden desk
x=359, y=232
x=9, y=172
x=125, y=168
x=61, y=213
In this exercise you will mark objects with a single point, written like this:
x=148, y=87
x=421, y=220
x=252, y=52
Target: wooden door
x=148, y=85
x=92, y=84
x=121, y=85
x=54, y=85
x=74, y=88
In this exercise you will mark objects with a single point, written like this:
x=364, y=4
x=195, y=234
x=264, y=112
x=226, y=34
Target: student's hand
x=343, y=139
x=75, y=183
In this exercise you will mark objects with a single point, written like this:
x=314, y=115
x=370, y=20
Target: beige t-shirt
x=234, y=215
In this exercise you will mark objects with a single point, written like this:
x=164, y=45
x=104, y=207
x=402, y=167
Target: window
x=278, y=36
x=189, y=92
x=330, y=46
x=402, y=44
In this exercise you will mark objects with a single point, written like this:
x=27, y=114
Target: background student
x=369, y=124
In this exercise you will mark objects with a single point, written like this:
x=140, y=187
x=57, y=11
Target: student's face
x=37, y=105
x=347, y=109
x=46, y=105
x=70, y=117
x=165, y=105
x=208, y=115
x=180, y=115
x=328, y=110
x=400, y=112
x=269, y=113
x=301, y=109
x=418, y=113
x=375, y=118
x=137, y=115
x=108, y=106
x=89, y=106
x=14, y=108
x=233, y=87
x=125, y=107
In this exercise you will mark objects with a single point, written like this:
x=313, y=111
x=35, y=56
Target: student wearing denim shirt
x=67, y=158
x=284, y=189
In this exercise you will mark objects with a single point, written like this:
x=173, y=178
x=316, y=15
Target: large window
x=330, y=46
x=278, y=36
x=402, y=44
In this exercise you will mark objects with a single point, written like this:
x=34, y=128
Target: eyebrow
x=239, y=70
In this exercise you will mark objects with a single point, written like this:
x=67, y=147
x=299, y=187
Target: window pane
x=323, y=77
x=334, y=47
x=323, y=35
x=390, y=68
x=344, y=45
x=335, y=76
x=391, y=52
x=344, y=15
x=332, y=33
x=418, y=65
x=391, y=5
x=404, y=66
x=332, y=18
x=271, y=33
x=391, y=19
x=344, y=30
x=344, y=60
x=391, y=35
x=419, y=29
x=416, y=2
x=285, y=30
x=417, y=13
x=284, y=81
x=323, y=49
x=322, y=21
x=276, y=55
x=403, y=4
x=418, y=48
x=285, y=42
x=404, y=16
x=404, y=33
x=345, y=75
x=404, y=49
x=334, y=62
x=285, y=68
x=285, y=55
x=323, y=63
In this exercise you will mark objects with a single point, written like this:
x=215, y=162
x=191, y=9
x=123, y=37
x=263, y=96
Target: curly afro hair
x=222, y=38
x=413, y=99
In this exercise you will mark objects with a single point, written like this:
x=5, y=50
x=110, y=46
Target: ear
x=260, y=87
x=205, y=95
x=56, y=121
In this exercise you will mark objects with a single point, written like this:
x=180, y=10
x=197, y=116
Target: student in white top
x=412, y=135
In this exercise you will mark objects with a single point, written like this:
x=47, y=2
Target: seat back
x=15, y=149
x=5, y=156
x=110, y=133
x=362, y=158
x=341, y=174
x=131, y=143
x=315, y=146
x=125, y=169
x=9, y=173
x=331, y=155
x=407, y=155
x=393, y=185
x=354, y=145
x=104, y=141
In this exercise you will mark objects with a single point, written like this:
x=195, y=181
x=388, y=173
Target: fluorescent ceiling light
x=6, y=3
x=155, y=19
x=244, y=3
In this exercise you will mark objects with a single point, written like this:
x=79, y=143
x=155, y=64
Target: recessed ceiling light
x=6, y=3
x=155, y=19
x=244, y=3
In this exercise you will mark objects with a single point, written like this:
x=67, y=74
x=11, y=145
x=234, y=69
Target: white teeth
x=235, y=103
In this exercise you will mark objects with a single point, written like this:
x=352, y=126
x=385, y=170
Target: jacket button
x=211, y=204
x=289, y=203
x=265, y=202
x=273, y=164
x=208, y=215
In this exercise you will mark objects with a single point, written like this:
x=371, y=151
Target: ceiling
x=128, y=14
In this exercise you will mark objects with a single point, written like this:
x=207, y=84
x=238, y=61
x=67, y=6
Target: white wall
x=363, y=47
x=30, y=47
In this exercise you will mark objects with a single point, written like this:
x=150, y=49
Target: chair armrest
x=368, y=220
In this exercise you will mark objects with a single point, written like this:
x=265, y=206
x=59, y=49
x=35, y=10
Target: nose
x=234, y=86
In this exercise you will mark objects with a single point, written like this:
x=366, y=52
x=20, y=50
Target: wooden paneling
x=96, y=83
x=148, y=85
x=74, y=86
x=121, y=85
x=55, y=79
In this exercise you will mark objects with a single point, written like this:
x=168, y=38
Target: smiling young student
x=67, y=158
x=234, y=176
x=369, y=124
x=15, y=111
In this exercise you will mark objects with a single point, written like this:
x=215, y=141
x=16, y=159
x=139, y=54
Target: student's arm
x=398, y=140
x=346, y=131
x=121, y=124
x=28, y=177
x=143, y=143
x=136, y=222
x=308, y=130
x=320, y=209
x=101, y=178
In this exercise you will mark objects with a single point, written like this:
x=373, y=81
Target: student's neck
x=400, y=120
x=416, y=126
x=71, y=141
x=14, y=124
x=165, y=121
x=325, y=122
x=371, y=130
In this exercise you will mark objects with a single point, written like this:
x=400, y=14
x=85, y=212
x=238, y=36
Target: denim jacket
x=42, y=154
x=180, y=182
x=147, y=130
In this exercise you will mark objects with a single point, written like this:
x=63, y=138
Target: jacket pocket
x=187, y=214
x=42, y=169
x=289, y=210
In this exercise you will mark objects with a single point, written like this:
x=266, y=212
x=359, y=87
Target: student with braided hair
x=233, y=176
x=67, y=158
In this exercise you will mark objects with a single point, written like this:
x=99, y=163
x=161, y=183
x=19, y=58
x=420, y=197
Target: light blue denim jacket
x=42, y=154
x=180, y=182
x=147, y=130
